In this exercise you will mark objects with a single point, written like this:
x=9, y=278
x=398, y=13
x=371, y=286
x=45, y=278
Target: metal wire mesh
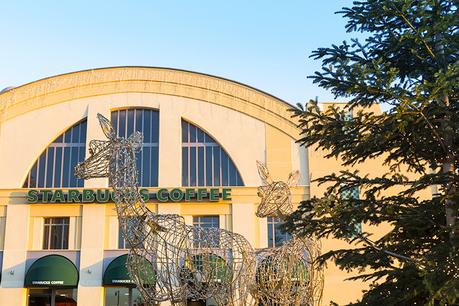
x=288, y=274
x=222, y=268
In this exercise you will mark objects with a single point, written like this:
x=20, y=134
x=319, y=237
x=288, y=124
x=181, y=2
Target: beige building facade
x=201, y=131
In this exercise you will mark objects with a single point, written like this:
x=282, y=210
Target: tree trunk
x=449, y=187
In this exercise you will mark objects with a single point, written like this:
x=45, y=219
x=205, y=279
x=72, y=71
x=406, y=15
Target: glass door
x=39, y=297
x=123, y=296
x=52, y=297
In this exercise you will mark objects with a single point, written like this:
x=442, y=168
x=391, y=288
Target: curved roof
x=188, y=84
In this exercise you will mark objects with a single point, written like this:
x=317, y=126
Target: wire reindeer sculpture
x=288, y=274
x=188, y=263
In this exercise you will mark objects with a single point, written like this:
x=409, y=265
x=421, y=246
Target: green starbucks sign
x=105, y=195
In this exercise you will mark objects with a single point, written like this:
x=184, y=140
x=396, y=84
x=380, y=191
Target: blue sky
x=265, y=44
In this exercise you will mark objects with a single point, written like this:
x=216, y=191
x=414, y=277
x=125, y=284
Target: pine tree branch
x=373, y=245
x=401, y=14
x=434, y=130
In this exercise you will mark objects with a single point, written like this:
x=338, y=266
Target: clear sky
x=265, y=44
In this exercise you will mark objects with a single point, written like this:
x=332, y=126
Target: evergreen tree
x=409, y=61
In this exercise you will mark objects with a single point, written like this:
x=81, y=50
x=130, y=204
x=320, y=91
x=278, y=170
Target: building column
x=90, y=290
x=263, y=225
x=170, y=145
x=244, y=222
x=12, y=291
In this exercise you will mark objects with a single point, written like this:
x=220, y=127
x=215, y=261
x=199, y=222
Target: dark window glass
x=83, y=131
x=45, y=297
x=200, y=135
x=184, y=131
x=146, y=167
x=201, y=181
x=352, y=193
x=145, y=121
x=75, y=134
x=200, y=224
x=114, y=120
x=117, y=296
x=56, y=233
x=233, y=175
x=270, y=235
x=217, y=166
x=154, y=127
x=146, y=126
x=68, y=136
x=41, y=170
x=185, y=171
x=133, y=232
x=130, y=122
x=58, y=167
x=192, y=133
x=121, y=132
x=49, y=167
x=275, y=236
x=39, y=297
x=154, y=166
x=192, y=167
x=66, y=168
x=75, y=155
x=123, y=296
x=66, y=297
x=138, y=120
x=224, y=156
x=207, y=163
x=54, y=167
x=32, y=179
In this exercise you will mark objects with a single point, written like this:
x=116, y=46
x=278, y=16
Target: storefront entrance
x=52, y=281
x=52, y=297
x=120, y=289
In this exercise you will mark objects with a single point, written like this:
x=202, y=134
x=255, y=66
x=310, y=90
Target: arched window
x=54, y=167
x=204, y=161
x=146, y=121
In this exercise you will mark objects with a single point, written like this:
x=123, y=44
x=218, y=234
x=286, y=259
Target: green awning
x=117, y=273
x=52, y=271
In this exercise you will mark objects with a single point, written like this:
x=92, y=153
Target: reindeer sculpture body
x=286, y=275
x=189, y=263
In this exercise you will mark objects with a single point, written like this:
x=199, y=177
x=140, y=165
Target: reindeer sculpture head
x=110, y=158
x=276, y=199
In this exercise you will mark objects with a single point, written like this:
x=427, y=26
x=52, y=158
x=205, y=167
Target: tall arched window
x=204, y=161
x=54, y=167
x=146, y=121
